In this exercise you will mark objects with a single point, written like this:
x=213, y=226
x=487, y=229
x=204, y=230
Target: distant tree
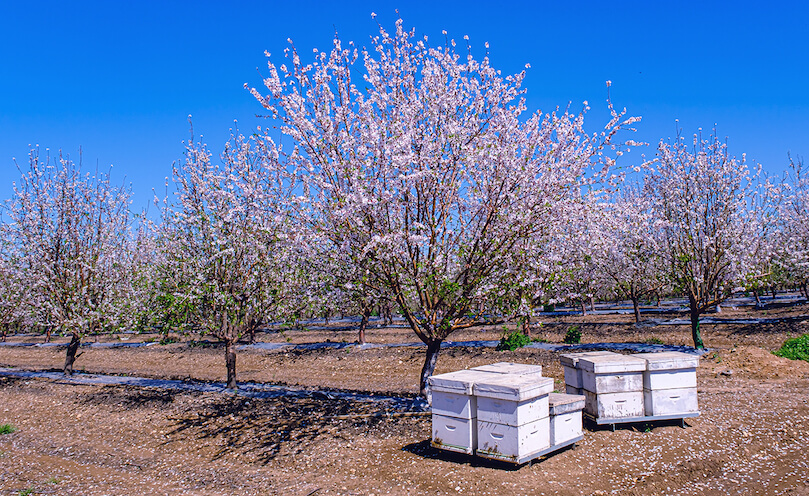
x=630, y=251
x=72, y=233
x=701, y=196
x=794, y=226
x=426, y=168
x=225, y=242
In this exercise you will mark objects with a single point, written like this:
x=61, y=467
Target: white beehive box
x=669, y=370
x=455, y=434
x=569, y=361
x=511, y=368
x=512, y=399
x=670, y=401
x=670, y=383
x=513, y=417
x=454, y=410
x=565, y=415
x=614, y=405
x=613, y=385
x=452, y=393
x=513, y=443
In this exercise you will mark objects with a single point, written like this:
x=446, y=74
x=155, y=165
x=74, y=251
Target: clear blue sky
x=119, y=79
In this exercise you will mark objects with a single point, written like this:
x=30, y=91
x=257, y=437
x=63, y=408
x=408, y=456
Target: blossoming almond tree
x=701, y=194
x=630, y=252
x=72, y=232
x=420, y=161
x=225, y=240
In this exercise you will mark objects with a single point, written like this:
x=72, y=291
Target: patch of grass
x=795, y=348
x=26, y=492
x=512, y=341
x=573, y=335
x=654, y=341
x=52, y=480
x=7, y=429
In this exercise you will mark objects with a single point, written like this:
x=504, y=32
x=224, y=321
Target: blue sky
x=119, y=79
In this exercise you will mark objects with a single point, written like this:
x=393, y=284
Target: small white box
x=511, y=368
x=512, y=399
x=454, y=434
x=570, y=363
x=614, y=405
x=612, y=373
x=612, y=383
x=452, y=393
x=669, y=370
x=565, y=415
x=512, y=443
x=670, y=401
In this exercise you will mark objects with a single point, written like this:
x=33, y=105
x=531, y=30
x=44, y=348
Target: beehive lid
x=513, y=387
x=666, y=360
x=565, y=403
x=510, y=368
x=571, y=359
x=612, y=364
x=459, y=382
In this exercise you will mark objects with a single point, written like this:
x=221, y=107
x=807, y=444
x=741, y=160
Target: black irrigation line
x=247, y=389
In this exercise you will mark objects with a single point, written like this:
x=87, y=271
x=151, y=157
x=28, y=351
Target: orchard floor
x=752, y=436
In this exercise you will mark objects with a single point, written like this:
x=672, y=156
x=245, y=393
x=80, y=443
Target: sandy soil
x=751, y=437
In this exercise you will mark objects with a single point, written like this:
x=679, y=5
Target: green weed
x=795, y=348
x=7, y=429
x=573, y=335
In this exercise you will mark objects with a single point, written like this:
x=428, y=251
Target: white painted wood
x=459, y=382
x=572, y=377
x=611, y=364
x=566, y=426
x=573, y=390
x=670, y=379
x=559, y=403
x=509, y=412
x=511, y=368
x=669, y=360
x=454, y=434
x=512, y=387
x=454, y=405
x=612, y=383
x=614, y=405
x=510, y=443
x=670, y=401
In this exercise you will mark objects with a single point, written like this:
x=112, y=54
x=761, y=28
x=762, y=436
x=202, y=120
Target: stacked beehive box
x=513, y=416
x=455, y=410
x=502, y=411
x=570, y=364
x=613, y=385
x=670, y=383
x=565, y=414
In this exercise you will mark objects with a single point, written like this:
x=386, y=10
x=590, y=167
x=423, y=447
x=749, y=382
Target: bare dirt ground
x=752, y=436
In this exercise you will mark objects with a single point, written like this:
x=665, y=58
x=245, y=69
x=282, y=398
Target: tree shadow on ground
x=127, y=397
x=265, y=428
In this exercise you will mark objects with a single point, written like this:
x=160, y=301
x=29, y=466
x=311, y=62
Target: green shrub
x=7, y=429
x=654, y=341
x=512, y=341
x=573, y=335
x=795, y=348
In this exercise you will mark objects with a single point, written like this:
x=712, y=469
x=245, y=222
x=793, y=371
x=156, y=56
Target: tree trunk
x=695, y=333
x=5, y=331
x=758, y=299
x=805, y=288
x=363, y=325
x=433, y=347
x=230, y=363
x=525, y=320
x=583, y=306
x=636, y=308
x=70, y=356
x=48, y=335
x=592, y=304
